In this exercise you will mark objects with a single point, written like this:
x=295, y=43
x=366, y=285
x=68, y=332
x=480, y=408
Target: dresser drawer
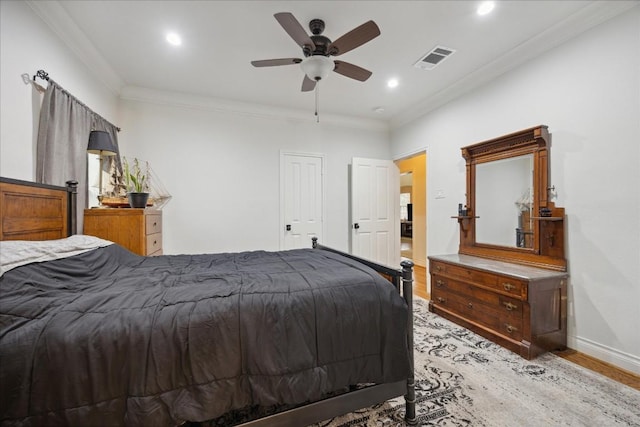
x=506, y=284
x=512, y=286
x=475, y=276
x=494, y=316
x=493, y=300
x=153, y=223
x=154, y=244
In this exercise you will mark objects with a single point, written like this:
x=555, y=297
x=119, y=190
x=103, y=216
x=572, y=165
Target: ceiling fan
x=317, y=49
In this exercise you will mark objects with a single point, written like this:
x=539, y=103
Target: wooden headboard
x=31, y=211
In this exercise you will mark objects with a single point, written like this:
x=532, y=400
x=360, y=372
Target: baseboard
x=622, y=360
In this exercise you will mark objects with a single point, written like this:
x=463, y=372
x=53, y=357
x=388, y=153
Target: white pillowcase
x=14, y=253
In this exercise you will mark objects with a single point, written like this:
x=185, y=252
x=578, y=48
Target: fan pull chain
x=317, y=102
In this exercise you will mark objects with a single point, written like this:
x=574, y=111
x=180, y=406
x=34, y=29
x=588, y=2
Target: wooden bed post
x=72, y=208
x=407, y=291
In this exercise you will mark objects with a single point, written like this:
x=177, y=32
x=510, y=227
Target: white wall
x=223, y=171
x=588, y=92
x=28, y=45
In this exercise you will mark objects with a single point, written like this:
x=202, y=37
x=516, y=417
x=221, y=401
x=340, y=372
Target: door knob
x=356, y=225
x=288, y=227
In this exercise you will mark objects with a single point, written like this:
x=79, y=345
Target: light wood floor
x=420, y=281
x=603, y=368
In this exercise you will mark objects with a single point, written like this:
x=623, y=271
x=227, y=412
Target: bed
x=91, y=334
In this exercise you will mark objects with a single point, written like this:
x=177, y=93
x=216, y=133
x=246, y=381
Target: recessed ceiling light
x=392, y=83
x=174, y=39
x=485, y=7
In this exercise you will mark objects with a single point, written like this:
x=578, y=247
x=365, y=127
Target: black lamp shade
x=100, y=143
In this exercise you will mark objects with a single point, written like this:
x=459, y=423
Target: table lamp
x=100, y=143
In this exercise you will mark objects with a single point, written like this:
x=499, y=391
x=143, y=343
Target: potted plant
x=136, y=181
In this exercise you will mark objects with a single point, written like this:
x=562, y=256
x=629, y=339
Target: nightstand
x=139, y=230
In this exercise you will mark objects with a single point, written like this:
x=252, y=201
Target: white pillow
x=14, y=253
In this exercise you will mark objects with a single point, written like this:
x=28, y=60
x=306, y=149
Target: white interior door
x=301, y=199
x=375, y=210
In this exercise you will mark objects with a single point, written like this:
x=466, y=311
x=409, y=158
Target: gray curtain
x=63, y=135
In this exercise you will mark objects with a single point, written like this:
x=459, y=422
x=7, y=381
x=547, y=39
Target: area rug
x=464, y=380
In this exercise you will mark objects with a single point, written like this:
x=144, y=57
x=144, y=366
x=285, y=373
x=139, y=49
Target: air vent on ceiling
x=434, y=57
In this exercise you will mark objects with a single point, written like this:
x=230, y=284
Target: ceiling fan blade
x=308, y=84
x=295, y=30
x=350, y=70
x=274, y=62
x=354, y=38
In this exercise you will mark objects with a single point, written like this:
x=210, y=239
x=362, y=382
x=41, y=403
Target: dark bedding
x=108, y=337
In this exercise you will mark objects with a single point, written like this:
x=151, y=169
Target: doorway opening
x=413, y=218
x=413, y=208
x=406, y=216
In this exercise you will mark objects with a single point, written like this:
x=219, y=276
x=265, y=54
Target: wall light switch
x=439, y=194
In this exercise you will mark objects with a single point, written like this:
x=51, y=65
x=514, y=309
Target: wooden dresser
x=519, y=307
x=139, y=230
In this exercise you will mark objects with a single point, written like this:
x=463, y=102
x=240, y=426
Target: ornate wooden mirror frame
x=547, y=246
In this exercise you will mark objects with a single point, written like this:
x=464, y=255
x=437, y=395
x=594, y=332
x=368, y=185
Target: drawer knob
x=470, y=305
x=438, y=268
x=442, y=300
x=511, y=329
x=508, y=286
x=509, y=306
x=440, y=283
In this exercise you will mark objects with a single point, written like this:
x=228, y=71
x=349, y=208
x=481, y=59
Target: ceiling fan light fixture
x=317, y=67
x=174, y=39
x=485, y=7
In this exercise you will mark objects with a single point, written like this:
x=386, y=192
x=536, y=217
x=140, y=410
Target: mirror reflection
x=504, y=202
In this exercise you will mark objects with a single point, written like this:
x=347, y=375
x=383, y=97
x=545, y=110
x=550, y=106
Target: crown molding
x=586, y=18
x=56, y=18
x=219, y=105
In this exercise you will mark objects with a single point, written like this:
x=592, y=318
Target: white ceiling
x=220, y=38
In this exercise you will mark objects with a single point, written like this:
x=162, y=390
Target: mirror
x=509, y=216
x=504, y=202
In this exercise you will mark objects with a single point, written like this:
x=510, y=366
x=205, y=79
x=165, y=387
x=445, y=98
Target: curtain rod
x=42, y=74
x=45, y=76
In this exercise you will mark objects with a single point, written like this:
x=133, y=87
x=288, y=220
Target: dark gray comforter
x=108, y=337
